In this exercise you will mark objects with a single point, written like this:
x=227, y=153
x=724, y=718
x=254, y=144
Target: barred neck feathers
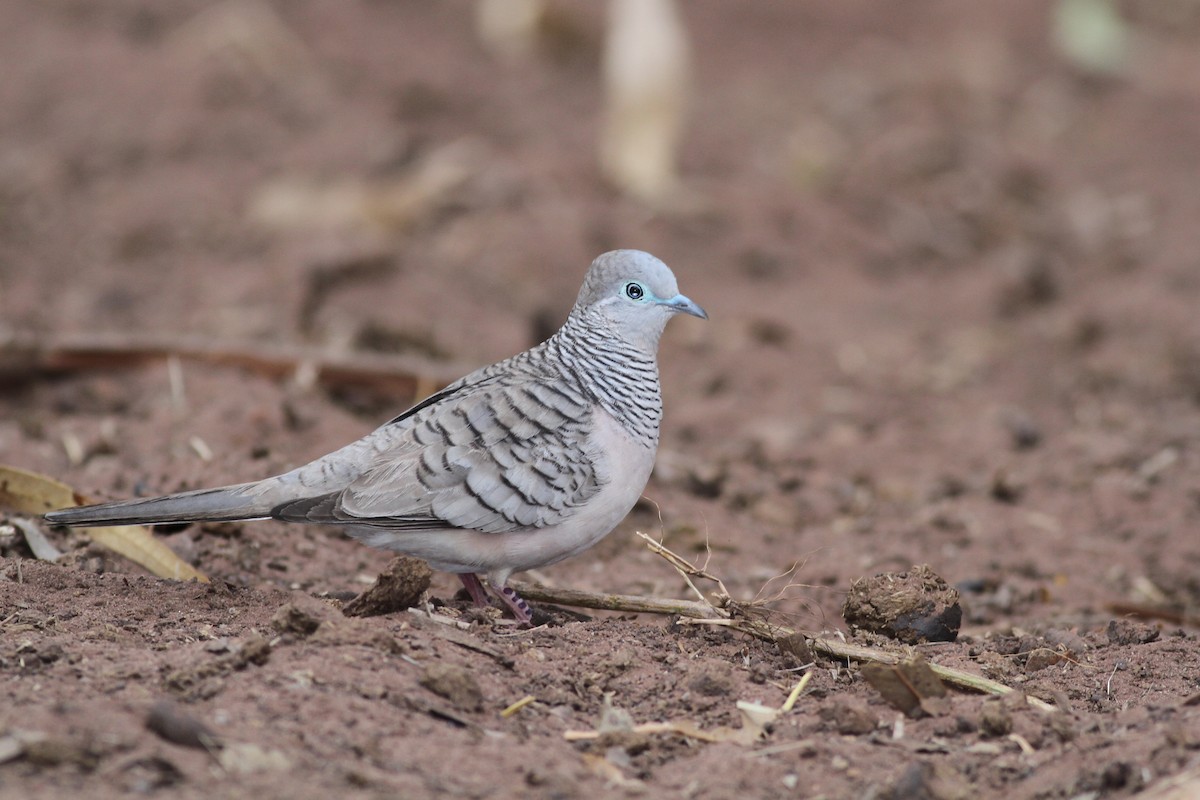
x=619, y=376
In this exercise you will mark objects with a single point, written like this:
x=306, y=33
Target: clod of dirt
x=707, y=479
x=1007, y=487
x=32, y=656
x=1030, y=282
x=914, y=606
x=1063, y=726
x=1041, y=657
x=701, y=478
x=1125, y=632
x=52, y=751
x=1065, y=640
x=1024, y=431
x=204, y=679
x=995, y=719
x=290, y=618
x=146, y=775
x=398, y=587
x=712, y=680
x=931, y=781
x=849, y=717
x=455, y=684
x=178, y=727
x=247, y=758
x=1121, y=775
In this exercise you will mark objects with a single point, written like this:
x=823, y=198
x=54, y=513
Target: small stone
x=707, y=479
x=1125, y=632
x=454, y=683
x=1067, y=640
x=771, y=510
x=1041, y=657
x=1023, y=430
x=1120, y=775
x=849, y=718
x=293, y=619
x=144, y=776
x=1007, y=487
x=701, y=478
x=49, y=653
x=245, y=758
x=178, y=727
x=1029, y=280
x=931, y=781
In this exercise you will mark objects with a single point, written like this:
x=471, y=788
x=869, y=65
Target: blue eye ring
x=634, y=291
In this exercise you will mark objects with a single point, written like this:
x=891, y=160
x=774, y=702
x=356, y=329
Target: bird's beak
x=684, y=304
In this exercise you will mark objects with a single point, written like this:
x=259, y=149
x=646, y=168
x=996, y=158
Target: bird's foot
x=520, y=608
x=479, y=597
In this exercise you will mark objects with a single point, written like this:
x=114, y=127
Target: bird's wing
x=492, y=457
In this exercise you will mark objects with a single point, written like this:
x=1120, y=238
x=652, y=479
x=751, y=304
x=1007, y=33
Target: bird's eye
x=634, y=291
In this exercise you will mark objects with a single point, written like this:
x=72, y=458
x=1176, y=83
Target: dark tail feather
x=226, y=504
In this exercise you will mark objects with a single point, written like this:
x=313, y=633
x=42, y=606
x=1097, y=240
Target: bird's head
x=634, y=292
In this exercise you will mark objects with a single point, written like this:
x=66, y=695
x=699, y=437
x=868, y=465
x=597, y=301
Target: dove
x=518, y=465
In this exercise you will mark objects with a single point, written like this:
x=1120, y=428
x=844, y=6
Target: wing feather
x=492, y=458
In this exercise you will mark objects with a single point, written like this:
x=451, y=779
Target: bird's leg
x=474, y=588
x=514, y=601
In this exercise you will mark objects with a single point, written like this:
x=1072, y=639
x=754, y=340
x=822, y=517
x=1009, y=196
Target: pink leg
x=474, y=588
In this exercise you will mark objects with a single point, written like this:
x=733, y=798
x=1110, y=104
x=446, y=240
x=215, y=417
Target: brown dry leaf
x=31, y=493
x=910, y=686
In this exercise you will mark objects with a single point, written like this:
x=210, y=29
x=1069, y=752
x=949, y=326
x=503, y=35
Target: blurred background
x=948, y=250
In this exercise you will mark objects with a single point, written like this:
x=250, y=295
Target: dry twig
x=730, y=614
x=25, y=356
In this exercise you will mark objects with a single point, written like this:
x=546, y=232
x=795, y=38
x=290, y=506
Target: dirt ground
x=952, y=280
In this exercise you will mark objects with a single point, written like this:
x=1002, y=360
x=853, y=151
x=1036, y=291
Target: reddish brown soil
x=953, y=285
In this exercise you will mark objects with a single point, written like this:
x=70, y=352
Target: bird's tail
x=226, y=504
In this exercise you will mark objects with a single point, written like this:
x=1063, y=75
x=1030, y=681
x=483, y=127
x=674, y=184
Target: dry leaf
x=910, y=686
x=30, y=493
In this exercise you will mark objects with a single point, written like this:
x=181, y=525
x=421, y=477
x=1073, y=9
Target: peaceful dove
x=518, y=465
